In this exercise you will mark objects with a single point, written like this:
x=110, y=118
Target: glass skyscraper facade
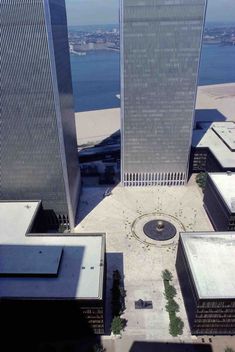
x=38, y=148
x=161, y=44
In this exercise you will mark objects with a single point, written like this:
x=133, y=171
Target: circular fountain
x=159, y=230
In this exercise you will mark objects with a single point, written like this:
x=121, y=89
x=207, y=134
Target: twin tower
x=161, y=43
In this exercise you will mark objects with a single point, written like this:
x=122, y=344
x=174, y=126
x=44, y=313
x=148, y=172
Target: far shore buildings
x=160, y=54
x=205, y=266
x=39, y=158
x=219, y=200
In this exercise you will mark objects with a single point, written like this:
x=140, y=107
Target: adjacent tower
x=161, y=43
x=38, y=149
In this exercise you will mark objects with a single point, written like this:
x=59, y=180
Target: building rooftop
x=225, y=184
x=226, y=131
x=29, y=260
x=219, y=137
x=16, y=218
x=213, y=278
x=74, y=262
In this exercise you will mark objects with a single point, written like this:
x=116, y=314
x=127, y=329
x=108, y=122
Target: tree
x=170, y=291
x=167, y=275
x=116, y=276
x=118, y=294
x=98, y=348
x=176, y=325
x=117, y=325
x=228, y=349
x=172, y=306
x=201, y=180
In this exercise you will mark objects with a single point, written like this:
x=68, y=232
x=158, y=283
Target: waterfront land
x=94, y=126
x=224, y=35
x=82, y=40
x=214, y=103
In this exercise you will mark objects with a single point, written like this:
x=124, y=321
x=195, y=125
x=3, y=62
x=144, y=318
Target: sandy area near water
x=214, y=100
x=220, y=97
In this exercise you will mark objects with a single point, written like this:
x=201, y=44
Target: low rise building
x=205, y=266
x=51, y=282
x=219, y=200
x=213, y=147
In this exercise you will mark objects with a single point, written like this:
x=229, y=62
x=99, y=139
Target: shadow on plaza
x=113, y=139
x=208, y=115
x=87, y=204
x=114, y=261
x=140, y=346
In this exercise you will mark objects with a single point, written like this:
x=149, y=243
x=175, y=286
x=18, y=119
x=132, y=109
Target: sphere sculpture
x=160, y=225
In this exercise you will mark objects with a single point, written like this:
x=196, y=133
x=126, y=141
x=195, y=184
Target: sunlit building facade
x=38, y=159
x=205, y=265
x=160, y=54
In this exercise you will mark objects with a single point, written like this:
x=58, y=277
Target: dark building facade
x=221, y=210
x=160, y=53
x=202, y=160
x=38, y=139
x=206, y=315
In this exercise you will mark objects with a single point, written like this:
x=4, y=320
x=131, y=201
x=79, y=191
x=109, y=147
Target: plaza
x=140, y=261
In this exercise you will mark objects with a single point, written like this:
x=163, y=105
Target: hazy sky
x=82, y=12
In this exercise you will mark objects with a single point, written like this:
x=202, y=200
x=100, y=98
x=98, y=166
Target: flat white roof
x=218, y=137
x=226, y=131
x=80, y=273
x=225, y=184
x=81, y=267
x=211, y=259
x=16, y=217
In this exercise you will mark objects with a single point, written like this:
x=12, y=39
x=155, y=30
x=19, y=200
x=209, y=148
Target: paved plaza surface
x=140, y=261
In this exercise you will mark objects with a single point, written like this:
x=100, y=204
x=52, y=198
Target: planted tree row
x=118, y=303
x=172, y=307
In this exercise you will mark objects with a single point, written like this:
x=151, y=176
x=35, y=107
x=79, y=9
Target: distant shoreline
x=82, y=53
x=79, y=53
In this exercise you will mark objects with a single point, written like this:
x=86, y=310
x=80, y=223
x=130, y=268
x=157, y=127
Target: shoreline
x=216, y=101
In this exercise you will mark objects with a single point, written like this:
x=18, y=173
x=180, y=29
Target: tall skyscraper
x=161, y=43
x=38, y=153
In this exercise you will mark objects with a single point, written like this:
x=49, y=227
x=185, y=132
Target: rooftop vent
x=229, y=173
